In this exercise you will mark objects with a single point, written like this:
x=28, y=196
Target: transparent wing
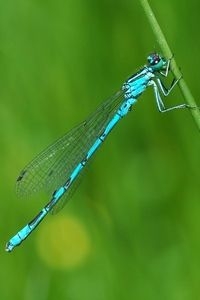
x=68, y=194
x=52, y=167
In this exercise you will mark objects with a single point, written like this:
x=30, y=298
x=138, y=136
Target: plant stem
x=195, y=111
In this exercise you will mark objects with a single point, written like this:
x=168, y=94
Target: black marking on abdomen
x=67, y=183
x=119, y=114
x=30, y=224
x=84, y=161
x=102, y=137
x=54, y=193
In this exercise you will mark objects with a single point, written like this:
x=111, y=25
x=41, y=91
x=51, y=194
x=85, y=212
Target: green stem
x=166, y=51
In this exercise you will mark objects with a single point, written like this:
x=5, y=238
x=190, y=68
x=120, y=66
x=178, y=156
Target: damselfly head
x=156, y=62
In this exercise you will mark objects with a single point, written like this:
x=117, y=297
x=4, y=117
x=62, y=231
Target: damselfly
x=59, y=166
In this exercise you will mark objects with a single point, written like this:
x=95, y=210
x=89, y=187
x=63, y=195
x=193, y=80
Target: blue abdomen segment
x=26, y=230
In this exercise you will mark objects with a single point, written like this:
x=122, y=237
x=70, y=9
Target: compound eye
x=153, y=59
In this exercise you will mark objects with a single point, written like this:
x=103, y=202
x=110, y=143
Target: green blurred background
x=132, y=229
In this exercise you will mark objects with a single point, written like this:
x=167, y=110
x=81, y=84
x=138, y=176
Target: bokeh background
x=132, y=229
